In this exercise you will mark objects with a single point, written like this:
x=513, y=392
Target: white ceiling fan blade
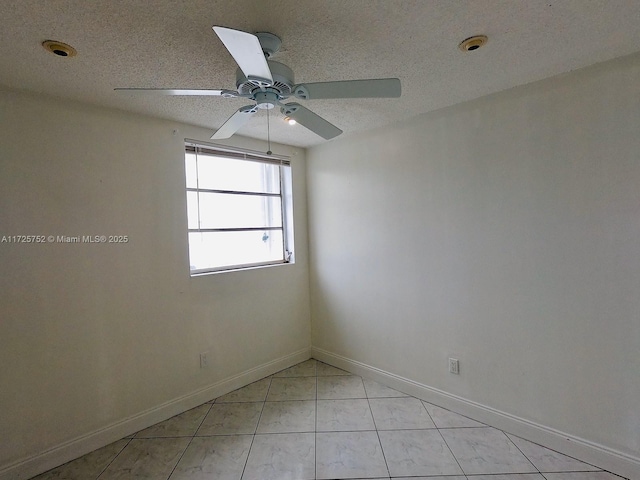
x=372, y=88
x=246, y=50
x=310, y=120
x=177, y=91
x=235, y=122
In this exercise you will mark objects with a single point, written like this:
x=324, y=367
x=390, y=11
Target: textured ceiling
x=169, y=43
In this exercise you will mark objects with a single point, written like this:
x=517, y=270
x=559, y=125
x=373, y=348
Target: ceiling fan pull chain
x=269, y=152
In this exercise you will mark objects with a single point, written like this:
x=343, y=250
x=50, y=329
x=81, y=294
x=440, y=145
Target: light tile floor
x=314, y=421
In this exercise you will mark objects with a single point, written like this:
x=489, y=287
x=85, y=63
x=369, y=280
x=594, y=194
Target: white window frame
x=285, y=195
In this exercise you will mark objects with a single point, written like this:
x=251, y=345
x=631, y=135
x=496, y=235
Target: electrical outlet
x=454, y=366
x=204, y=361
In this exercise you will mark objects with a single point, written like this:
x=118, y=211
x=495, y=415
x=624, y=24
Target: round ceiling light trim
x=473, y=43
x=60, y=49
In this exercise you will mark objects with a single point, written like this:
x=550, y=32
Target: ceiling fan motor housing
x=283, y=80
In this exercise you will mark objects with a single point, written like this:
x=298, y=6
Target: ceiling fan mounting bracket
x=248, y=109
x=288, y=109
x=228, y=94
x=301, y=92
x=269, y=42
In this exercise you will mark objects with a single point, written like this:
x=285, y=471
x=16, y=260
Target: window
x=239, y=208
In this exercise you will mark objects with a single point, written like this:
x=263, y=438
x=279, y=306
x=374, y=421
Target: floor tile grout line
x=190, y=440
x=444, y=439
x=452, y=454
x=429, y=415
x=509, y=439
x=384, y=457
x=543, y=474
x=523, y=454
x=366, y=392
x=253, y=437
x=113, y=459
x=465, y=428
x=456, y=413
x=509, y=435
x=520, y=450
x=555, y=472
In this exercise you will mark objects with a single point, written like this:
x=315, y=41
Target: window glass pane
x=217, y=173
x=192, y=210
x=222, y=210
x=219, y=249
x=190, y=170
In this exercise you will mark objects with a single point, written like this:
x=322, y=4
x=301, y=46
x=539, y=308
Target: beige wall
x=93, y=334
x=504, y=232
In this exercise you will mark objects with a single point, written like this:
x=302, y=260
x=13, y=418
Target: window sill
x=238, y=269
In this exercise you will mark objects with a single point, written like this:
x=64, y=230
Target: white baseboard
x=590, y=452
x=41, y=462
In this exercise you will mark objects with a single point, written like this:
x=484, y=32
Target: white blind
x=232, y=152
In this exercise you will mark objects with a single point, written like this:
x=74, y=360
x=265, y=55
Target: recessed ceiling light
x=473, y=43
x=290, y=120
x=59, y=48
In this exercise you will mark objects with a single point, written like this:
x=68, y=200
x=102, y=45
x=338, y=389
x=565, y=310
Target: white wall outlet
x=454, y=366
x=204, y=361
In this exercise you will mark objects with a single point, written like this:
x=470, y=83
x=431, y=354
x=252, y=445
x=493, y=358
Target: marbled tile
x=183, y=425
x=417, y=452
x=304, y=369
x=547, y=460
x=582, y=476
x=399, y=413
x=298, y=388
x=378, y=390
x=324, y=370
x=349, y=455
x=344, y=415
x=231, y=419
x=486, y=450
x=337, y=387
x=505, y=476
x=254, y=392
x=448, y=419
x=88, y=466
x=438, y=477
x=281, y=456
x=220, y=458
x=292, y=416
x=146, y=458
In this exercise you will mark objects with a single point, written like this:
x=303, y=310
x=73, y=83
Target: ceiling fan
x=268, y=83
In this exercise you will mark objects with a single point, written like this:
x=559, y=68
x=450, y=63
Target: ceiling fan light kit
x=268, y=83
